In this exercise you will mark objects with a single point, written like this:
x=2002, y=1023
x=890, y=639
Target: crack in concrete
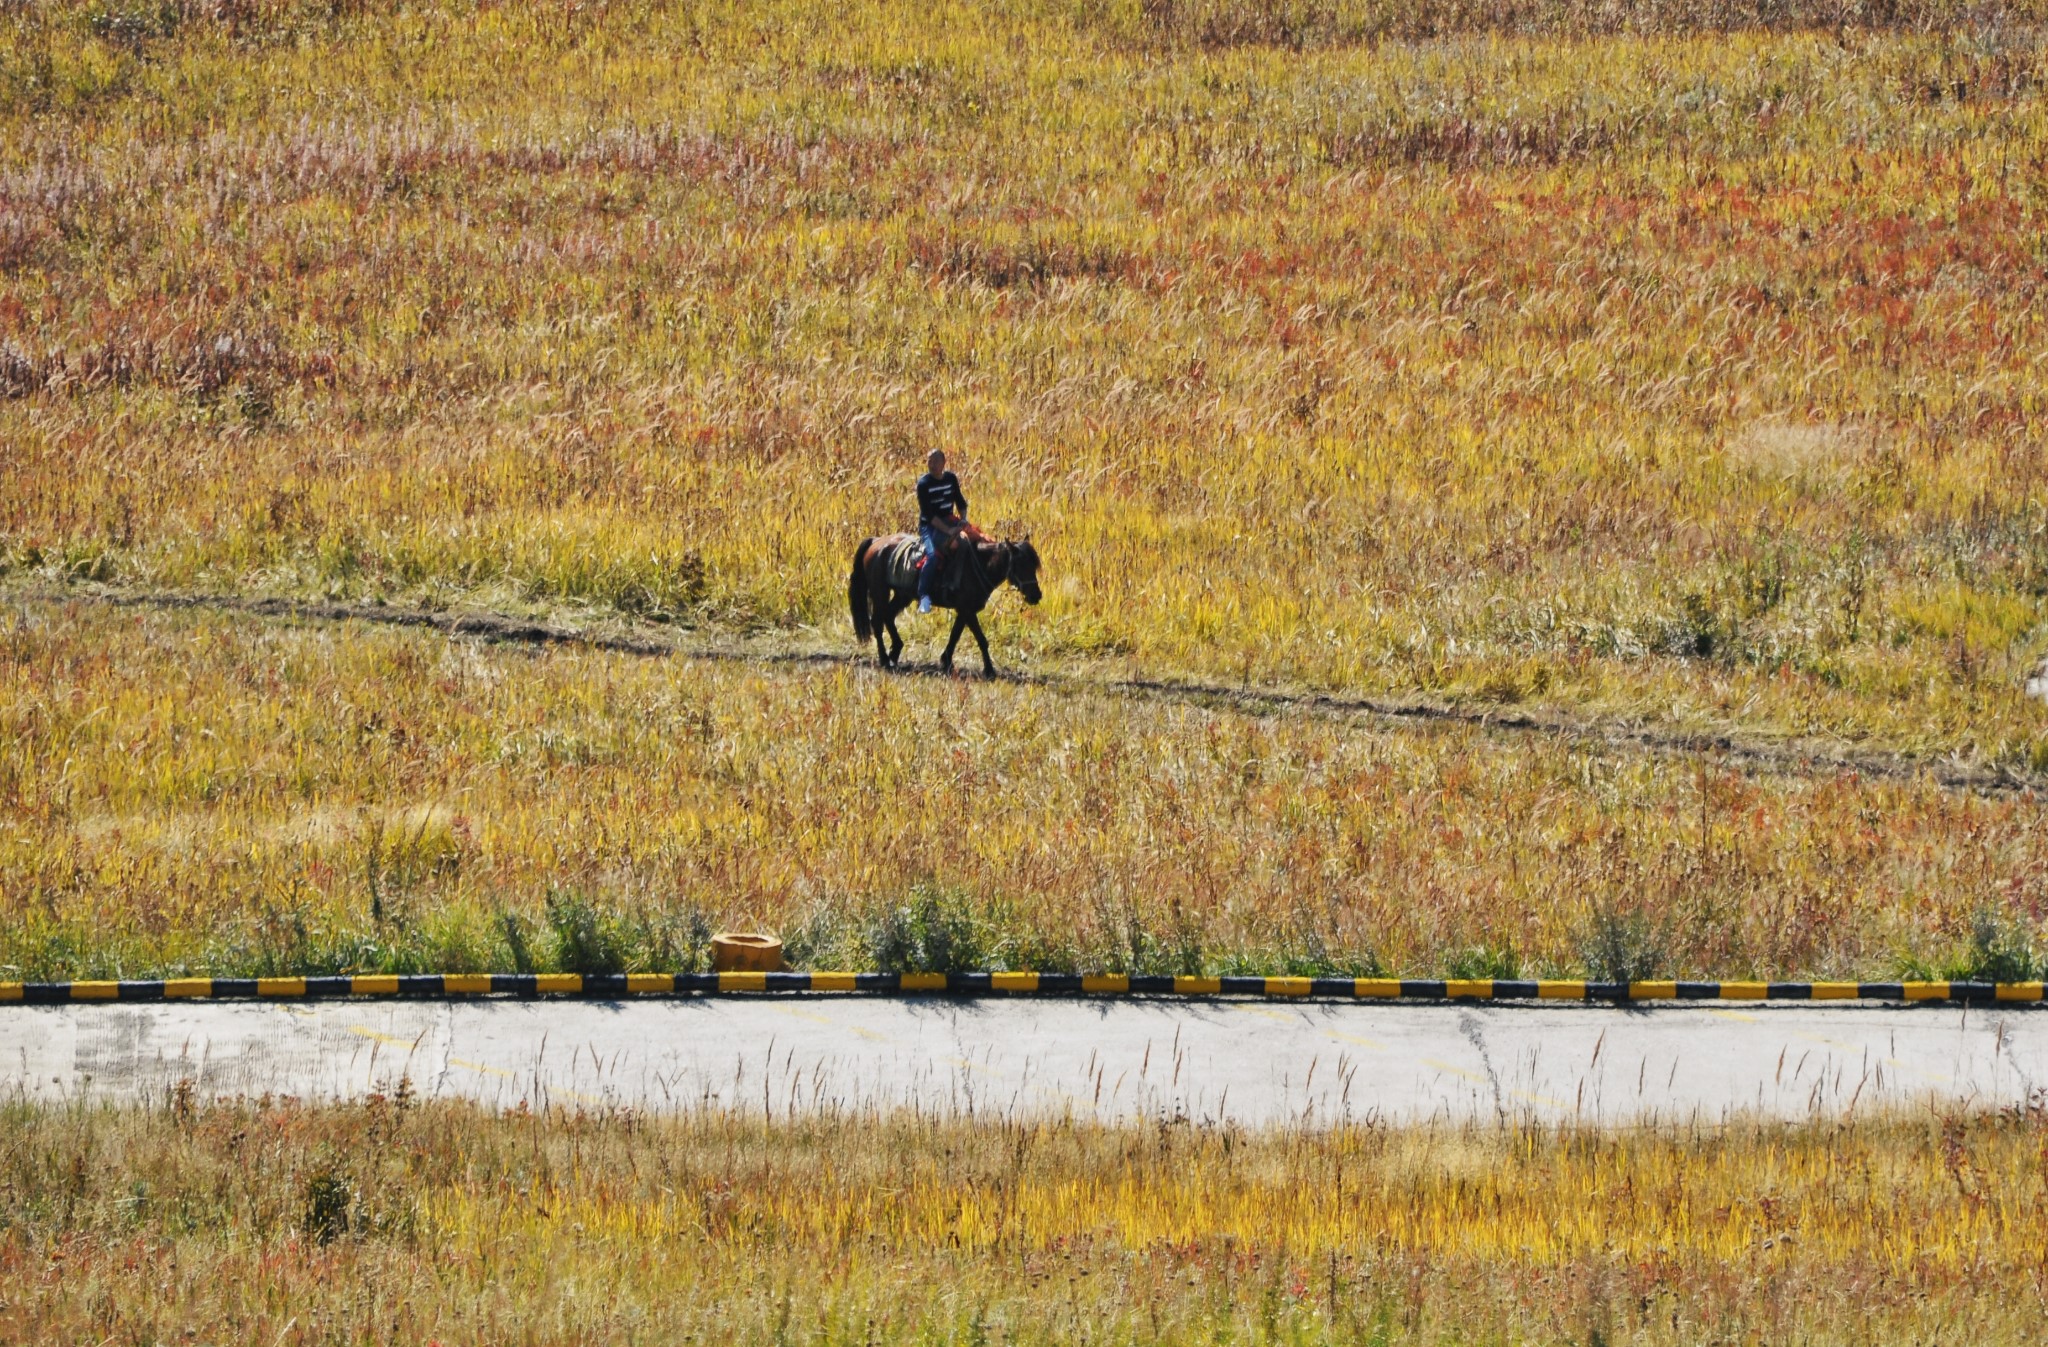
x=1475, y=1034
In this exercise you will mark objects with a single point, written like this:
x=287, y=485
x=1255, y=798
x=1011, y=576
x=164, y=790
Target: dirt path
x=1793, y=757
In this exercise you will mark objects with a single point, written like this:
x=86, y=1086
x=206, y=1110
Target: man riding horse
x=886, y=576
x=941, y=519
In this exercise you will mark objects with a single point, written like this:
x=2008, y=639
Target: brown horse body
x=875, y=595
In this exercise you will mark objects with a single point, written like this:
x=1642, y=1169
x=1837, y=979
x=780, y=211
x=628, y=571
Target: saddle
x=908, y=557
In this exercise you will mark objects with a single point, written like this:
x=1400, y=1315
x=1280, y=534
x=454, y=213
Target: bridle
x=1009, y=558
x=994, y=577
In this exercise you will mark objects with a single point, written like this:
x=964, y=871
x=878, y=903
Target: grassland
x=1673, y=361
x=388, y=1222
x=196, y=791
x=1677, y=365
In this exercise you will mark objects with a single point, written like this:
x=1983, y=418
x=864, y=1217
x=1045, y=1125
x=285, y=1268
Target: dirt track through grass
x=238, y=791
x=1798, y=757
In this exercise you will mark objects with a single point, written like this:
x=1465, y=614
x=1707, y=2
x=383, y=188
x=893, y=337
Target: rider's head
x=936, y=461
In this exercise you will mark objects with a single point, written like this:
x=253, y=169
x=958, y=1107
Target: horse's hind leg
x=878, y=622
x=973, y=621
x=890, y=608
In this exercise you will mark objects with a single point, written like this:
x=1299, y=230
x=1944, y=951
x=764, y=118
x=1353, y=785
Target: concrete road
x=1255, y=1063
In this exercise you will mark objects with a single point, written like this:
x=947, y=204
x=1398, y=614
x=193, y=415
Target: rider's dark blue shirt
x=939, y=497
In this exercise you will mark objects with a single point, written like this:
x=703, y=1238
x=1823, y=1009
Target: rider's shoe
x=924, y=605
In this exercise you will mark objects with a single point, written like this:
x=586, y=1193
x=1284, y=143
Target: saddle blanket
x=906, y=559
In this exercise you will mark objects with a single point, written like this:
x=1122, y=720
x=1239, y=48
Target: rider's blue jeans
x=931, y=560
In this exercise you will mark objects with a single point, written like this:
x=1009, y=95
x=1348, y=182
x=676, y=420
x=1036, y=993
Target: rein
x=981, y=572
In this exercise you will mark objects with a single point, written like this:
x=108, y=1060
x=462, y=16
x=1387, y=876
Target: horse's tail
x=857, y=591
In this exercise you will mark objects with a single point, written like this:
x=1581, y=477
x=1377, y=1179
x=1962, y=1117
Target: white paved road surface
x=1254, y=1063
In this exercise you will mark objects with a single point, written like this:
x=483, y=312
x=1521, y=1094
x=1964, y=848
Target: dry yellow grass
x=226, y=794
x=1678, y=360
x=268, y=1221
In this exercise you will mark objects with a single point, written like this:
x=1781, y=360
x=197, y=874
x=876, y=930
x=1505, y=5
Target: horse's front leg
x=988, y=666
x=960, y=621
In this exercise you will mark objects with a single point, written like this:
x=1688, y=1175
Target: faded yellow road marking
x=827, y=1020
x=1374, y=1044
x=366, y=1032
x=1915, y=1067
x=1454, y=1070
x=500, y=1071
x=1731, y=1015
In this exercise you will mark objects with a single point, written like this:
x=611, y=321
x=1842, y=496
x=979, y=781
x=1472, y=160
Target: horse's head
x=1024, y=570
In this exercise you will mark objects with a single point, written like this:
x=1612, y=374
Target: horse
x=883, y=583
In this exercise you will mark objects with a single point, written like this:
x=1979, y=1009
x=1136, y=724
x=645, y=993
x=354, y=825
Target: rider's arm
x=960, y=496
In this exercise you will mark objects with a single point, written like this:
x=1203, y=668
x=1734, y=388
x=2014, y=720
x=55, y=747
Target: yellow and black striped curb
x=419, y=986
